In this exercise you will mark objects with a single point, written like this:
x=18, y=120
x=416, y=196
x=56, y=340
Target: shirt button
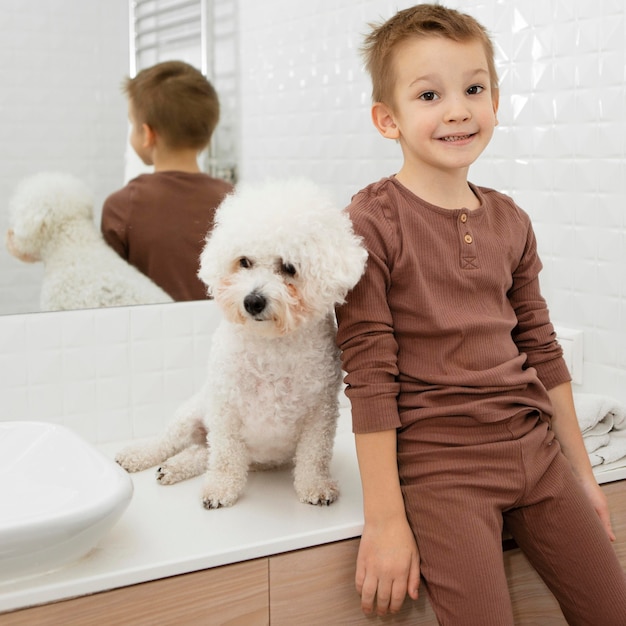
x=468, y=238
x=463, y=217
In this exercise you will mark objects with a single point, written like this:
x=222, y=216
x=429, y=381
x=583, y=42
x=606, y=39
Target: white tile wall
x=560, y=150
x=110, y=374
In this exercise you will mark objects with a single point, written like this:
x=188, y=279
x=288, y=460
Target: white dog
x=51, y=216
x=279, y=258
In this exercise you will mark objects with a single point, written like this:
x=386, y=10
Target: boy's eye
x=475, y=90
x=428, y=96
x=245, y=263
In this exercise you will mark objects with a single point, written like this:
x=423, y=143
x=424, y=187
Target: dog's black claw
x=211, y=504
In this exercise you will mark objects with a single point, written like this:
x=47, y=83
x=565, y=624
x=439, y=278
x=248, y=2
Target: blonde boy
x=158, y=222
x=461, y=401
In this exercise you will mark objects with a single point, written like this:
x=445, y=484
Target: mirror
x=62, y=110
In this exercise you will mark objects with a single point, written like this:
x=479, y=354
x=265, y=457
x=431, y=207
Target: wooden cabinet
x=236, y=595
x=307, y=587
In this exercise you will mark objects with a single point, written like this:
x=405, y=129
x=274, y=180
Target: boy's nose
x=457, y=111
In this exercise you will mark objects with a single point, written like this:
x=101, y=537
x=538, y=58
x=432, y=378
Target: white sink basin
x=58, y=497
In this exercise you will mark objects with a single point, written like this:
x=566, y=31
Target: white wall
x=62, y=63
x=109, y=374
x=560, y=148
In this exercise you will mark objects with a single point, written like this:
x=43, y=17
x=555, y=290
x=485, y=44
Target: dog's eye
x=288, y=268
x=245, y=263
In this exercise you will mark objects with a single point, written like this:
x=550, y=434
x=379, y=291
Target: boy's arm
x=113, y=221
x=567, y=431
x=388, y=561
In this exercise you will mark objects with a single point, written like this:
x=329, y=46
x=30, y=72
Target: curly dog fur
x=280, y=257
x=51, y=216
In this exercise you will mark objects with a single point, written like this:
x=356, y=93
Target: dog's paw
x=215, y=496
x=132, y=460
x=215, y=501
x=140, y=456
x=165, y=475
x=321, y=493
x=188, y=463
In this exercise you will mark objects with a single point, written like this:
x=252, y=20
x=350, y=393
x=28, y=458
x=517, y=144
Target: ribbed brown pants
x=462, y=480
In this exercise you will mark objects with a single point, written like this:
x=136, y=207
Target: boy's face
x=138, y=138
x=444, y=108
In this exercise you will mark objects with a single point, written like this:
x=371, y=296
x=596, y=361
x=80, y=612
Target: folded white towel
x=614, y=451
x=596, y=460
x=603, y=427
x=603, y=424
x=607, y=467
x=593, y=442
x=600, y=414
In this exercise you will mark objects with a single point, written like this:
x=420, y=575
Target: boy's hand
x=387, y=567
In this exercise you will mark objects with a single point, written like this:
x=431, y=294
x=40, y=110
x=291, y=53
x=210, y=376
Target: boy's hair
x=422, y=20
x=176, y=101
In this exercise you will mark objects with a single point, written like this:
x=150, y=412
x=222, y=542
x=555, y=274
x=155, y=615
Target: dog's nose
x=254, y=303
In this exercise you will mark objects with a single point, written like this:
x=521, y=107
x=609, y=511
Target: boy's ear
x=149, y=136
x=496, y=103
x=383, y=119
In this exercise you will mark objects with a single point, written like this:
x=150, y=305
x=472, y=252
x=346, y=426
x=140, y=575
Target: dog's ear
x=211, y=264
x=43, y=201
x=216, y=255
x=344, y=261
x=334, y=258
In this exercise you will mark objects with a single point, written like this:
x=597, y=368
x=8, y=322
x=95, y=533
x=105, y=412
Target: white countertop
x=165, y=531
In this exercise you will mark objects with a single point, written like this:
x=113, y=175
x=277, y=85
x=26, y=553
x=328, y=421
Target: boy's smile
x=443, y=109
x=455, y=138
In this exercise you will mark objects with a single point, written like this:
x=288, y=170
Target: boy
x=159, y=221
x=461, y=402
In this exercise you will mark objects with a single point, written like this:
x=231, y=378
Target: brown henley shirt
x=158, y=223
x=448, y=319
